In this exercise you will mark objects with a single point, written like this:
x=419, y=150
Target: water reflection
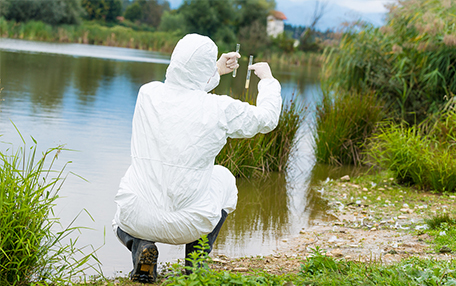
x=87, y=103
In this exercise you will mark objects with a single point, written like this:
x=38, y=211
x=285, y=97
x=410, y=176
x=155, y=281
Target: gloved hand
x=228, y=62
x=262, y=70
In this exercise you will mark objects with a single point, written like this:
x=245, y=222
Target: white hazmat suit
x=172, y=192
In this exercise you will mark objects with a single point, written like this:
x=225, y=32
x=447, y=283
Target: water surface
x=84, y=96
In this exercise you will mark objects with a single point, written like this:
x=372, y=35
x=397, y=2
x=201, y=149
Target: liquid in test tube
x=238, y=47
x=247, y=81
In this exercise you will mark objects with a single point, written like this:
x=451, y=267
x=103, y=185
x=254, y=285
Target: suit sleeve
x=244, y=120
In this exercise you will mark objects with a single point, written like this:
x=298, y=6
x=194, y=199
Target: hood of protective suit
x=193, y=63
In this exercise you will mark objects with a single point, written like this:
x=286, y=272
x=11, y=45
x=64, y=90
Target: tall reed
x=409, y=62
x=265, y=152
x=343, y=123
x=31, y=247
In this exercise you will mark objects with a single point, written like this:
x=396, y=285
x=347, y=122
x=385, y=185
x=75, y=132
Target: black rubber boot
x=190, y=247
x=144, y=255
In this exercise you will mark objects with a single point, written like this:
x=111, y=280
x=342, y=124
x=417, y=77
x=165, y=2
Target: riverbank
x=377, y=224
x=93, y=33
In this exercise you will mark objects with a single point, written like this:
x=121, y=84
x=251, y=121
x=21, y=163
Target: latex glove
x=227, y=63
x=262, y=70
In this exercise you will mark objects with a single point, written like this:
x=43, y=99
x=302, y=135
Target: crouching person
x=172, y=192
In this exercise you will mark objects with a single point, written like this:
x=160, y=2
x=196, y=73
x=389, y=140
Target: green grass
x=320, y=269
x=442, y=227
x=265, y=152
x=323, y=270
x=344, y=122
x=31, y=238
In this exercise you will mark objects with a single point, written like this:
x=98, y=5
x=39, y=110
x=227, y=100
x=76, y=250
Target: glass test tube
x=238, y=46
x=247, y=81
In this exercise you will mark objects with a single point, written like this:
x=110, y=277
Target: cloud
x=364, y=6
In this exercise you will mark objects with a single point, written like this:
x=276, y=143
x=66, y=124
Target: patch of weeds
x=320, y=269
x=200, y=274
x=443, y=229
x=443, y=221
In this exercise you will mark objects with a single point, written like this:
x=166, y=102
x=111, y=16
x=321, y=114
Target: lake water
x=84, y=97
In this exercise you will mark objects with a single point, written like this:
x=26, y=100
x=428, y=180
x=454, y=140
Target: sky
x=299, y=12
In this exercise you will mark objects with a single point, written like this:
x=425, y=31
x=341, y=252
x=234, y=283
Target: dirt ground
x=372, y=222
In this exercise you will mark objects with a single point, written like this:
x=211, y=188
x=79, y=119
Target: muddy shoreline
x=374, y=221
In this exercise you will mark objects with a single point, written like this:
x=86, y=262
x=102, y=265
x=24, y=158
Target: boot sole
x=145, y=269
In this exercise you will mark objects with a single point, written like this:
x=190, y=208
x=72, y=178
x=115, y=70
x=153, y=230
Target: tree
x=253, y=38
x=172, y=21
x=107, y=10
x=133, y=12
x=210, y=18
x=115, y=10
x=251, y=24
x=152, y=11
x=307, y=40
x=251, y=11
x=53, y=12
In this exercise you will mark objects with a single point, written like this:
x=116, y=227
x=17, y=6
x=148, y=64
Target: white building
x=275, y=23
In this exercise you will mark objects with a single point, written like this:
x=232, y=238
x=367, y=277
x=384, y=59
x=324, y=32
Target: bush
x=343, y=123
x=421, y=155
x=30, y=249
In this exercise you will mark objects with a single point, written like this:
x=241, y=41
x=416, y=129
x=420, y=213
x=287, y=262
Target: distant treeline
x=227, y=22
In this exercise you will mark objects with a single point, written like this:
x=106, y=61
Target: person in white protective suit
x=172, y=192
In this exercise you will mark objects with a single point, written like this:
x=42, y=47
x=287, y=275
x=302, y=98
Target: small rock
x=373, y=229
x=365, y=190
x=302, y=232
x=402, y=217
x=355, y=213
x=381, y=189
x=219, y=261
x=240, y=269
x=452, y=197
x=338, y=223
x=337, y=253
x=404, y=210
x=345, y=178
x=348, y=257
x=445, y=249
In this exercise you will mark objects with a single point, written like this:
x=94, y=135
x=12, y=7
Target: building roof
x=279, y=15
